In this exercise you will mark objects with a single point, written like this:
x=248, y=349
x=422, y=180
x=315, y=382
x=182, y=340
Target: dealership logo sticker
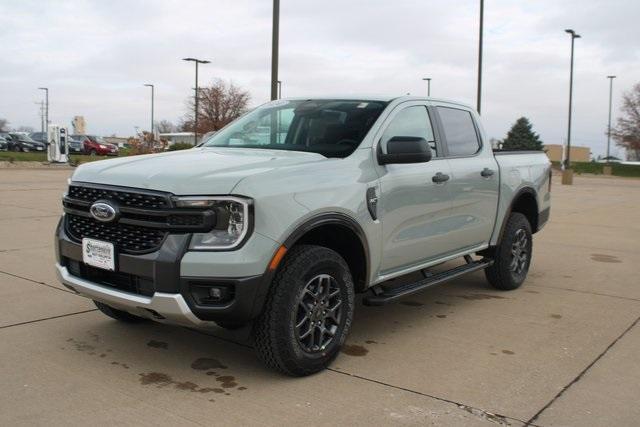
x=103, y=211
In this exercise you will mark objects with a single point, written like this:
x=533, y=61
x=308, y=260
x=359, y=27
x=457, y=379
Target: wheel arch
x=525, y=201
x=342, y=234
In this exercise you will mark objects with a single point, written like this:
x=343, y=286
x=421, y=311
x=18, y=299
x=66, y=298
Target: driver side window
x=411, y=121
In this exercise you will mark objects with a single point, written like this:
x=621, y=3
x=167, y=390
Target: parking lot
x=562, y=350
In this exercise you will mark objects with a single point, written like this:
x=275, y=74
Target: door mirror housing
x=405, y=149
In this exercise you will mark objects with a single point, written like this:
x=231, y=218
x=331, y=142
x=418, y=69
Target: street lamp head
x=611, y=77
x=43, y=88
x=200, y=61
x=427, y=78
x=573, y=33
x=149, y=85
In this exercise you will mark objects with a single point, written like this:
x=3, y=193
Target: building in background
x=555, y=152
x=79, y=125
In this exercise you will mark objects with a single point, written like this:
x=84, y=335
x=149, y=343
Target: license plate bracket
x=98, y=253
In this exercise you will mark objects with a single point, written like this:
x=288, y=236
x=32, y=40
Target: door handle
x=440, y=178
x=486, y=172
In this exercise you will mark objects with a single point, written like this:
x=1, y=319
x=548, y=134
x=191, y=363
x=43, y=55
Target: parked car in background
x=39, y=137
x=3, y=144
x=75, y=146
x=22, y=142
x=95, y=145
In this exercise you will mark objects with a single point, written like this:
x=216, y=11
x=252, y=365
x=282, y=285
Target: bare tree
x=165, y=126
x=4, y=125
x=25, y=129
x=218, y=105
x=627, y=131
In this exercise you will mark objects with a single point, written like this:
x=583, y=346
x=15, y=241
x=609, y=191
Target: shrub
x=180, y=146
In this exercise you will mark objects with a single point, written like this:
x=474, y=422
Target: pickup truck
x=279, y=219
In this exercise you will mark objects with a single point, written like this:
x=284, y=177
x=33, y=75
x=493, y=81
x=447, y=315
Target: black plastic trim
x=338, y=219
x=525, y=190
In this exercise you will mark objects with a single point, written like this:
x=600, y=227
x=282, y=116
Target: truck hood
x=199, y=171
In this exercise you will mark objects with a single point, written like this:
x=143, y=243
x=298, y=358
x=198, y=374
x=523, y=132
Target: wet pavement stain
x=242, y=388
x=204, y=364
x=412, y=303
x=441, y=316
x=354, y=350
x=82, y=346
x=604, y=258
x=509, y=352
x=227, y=381
x=443, y=303
x=532, y=292
x=160, y=379
x=371, y=342
x=158, y=344
x=556, y=316
x=476, y=297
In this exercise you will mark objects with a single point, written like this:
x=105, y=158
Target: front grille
x=134, y=199
x=139, y=285
x=127, y=238
x=145, y=217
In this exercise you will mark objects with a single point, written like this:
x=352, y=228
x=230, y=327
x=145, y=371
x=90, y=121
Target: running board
x=383, y=296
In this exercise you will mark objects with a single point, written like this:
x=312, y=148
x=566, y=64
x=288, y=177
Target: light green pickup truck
x=284, y=215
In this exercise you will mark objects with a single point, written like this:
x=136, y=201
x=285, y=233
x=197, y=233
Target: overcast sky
x=95, y=56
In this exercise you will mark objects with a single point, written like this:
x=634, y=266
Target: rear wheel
x=120, y=315
x=513, y=256
x=308, y=312
x=93, y=152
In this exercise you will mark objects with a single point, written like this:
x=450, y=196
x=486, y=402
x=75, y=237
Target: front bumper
x=169, y=283
x=163, y=307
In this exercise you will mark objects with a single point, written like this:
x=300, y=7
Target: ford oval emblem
x=103, y=211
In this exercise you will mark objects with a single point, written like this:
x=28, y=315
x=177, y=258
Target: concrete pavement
x=562, y=350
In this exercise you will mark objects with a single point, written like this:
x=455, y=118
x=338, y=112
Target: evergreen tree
x=522, y=137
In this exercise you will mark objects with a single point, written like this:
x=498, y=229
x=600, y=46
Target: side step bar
x=383, y=296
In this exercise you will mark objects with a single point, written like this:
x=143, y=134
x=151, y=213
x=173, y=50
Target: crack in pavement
x=585, y=292
x=481, y=413
x=47, y=318
x=581, y=374
x=38, y=282
x=24, y=249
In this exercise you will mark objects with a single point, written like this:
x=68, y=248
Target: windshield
x=333, y=128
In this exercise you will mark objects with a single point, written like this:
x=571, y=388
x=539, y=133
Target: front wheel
x=512, y=256
x=308, y=312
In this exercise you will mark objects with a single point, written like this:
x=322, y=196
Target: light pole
x=609, y=127
x=275, y=31
x=279, y=89
x=195, y=119
x=153, y=135
x=46, y=91
x=428, y=80
x=567, y=177
x=479, y=96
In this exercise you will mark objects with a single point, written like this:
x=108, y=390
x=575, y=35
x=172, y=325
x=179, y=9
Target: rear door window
x=460, y=131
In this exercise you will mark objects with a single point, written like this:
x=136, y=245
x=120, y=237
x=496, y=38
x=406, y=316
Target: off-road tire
x=274, y=331
x=120, y=315
x=501, y=275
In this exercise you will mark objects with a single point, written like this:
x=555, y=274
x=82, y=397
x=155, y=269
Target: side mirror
x=405, y=149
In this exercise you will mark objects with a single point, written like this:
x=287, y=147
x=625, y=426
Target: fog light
x=215, y=293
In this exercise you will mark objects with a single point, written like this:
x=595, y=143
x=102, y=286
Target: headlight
x=232, y=221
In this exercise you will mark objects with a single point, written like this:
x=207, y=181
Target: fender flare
x=333, y=218
x=519, y=193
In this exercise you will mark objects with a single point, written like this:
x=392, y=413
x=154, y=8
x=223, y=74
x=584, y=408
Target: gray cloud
x=96, y=55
